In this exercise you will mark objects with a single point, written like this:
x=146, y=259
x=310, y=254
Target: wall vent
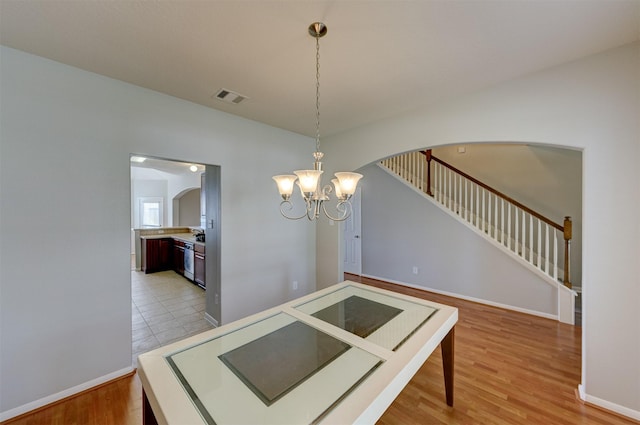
x=229, y=96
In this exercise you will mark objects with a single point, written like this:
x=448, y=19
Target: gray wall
x=189, y=205
x=65, y=304
x=402, y=230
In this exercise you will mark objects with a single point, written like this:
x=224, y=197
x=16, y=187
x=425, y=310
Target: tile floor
x=166, y=307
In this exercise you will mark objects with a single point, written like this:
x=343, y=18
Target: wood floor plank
x=510, y=369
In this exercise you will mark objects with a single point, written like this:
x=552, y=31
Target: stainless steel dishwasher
x=188, y=260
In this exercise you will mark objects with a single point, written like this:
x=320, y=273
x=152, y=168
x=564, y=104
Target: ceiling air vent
x=229, y=96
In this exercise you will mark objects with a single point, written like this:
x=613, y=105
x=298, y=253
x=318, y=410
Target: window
x=151, y=213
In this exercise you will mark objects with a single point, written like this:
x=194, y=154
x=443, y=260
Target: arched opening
x=402, y=243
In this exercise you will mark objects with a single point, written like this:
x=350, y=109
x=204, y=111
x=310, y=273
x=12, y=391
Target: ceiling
x=379, y=58
x=167, y=166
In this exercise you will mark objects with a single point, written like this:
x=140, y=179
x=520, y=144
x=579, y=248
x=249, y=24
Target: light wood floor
x=511, y=368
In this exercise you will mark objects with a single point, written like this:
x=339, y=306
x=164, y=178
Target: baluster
x=539, y=244
x=440, y=181
x=482, y=215
x=414, y=173
x=555, y=255
x=508, y=225
x=420, y=172
x=455, y=192
x=458, y=181
x=502, y=221
x=443, y=194
x=461, y=200
x=452, y=190
x=412, y=167
x=531, y=239
x=466, y=200
x=495, y=218
x=403, y=158
x=516, y=230
x=472, y=211
x=546, y=248
x=488, y=222
x=428, y=159
x=478, y=207
x=449, y=189
x=523, y=244
x=445, y=177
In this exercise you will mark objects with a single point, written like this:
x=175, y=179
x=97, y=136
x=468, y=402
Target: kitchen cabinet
x=178, y=256
x=156, y=254
x=199, y=266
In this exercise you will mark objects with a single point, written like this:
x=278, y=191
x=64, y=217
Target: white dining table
x=340, y=355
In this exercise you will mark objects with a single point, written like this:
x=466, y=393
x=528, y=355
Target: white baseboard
x=25, y=408
x=211, y=320
x=467, y=298
x=607, y=405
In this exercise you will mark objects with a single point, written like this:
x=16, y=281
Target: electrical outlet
x=294, y=285
x=415, y=270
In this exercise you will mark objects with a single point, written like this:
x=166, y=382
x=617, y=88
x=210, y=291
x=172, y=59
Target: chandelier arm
x=344, y=209
x=290, y=207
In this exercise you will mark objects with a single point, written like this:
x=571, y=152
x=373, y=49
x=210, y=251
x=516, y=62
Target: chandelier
x=313, y=192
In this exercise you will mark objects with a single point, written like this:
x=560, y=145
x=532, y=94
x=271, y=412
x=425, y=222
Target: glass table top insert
x=383, y=319
x=283, y=369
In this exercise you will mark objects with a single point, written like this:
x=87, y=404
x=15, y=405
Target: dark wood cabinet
x=156, y=254
x=178, y=256
x=199, y=266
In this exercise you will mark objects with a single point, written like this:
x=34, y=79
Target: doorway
x=351, y=237
x=166, y=306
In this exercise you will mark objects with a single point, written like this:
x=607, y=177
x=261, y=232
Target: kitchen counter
x=184, y=233
x=185, y=237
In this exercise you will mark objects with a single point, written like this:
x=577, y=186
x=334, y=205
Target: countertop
x=185, y=237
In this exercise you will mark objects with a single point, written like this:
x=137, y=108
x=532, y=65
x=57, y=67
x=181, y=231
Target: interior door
x=351, y=238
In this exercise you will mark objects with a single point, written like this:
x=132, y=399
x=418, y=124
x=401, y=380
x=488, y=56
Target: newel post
x=427, y=155
x=567, y=250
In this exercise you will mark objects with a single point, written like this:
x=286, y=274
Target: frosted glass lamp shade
x=308, y=181
x=336, y=186
x=348, y=182
x=285, y=185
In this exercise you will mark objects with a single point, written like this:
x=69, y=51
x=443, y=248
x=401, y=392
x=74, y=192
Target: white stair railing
x=526, y=233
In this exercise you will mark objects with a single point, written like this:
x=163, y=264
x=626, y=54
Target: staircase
x=536, y=241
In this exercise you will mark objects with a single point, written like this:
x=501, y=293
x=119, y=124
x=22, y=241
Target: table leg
x=148, y=418
x=447, y=347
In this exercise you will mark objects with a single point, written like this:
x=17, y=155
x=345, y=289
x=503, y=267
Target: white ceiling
x=168, y=166
x=379, y=59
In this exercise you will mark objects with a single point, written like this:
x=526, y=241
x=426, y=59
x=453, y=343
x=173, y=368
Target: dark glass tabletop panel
x=358, y=315
x=276, y=363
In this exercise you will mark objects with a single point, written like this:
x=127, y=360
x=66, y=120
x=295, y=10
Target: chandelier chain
x=309, y=182
x=318, y=93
